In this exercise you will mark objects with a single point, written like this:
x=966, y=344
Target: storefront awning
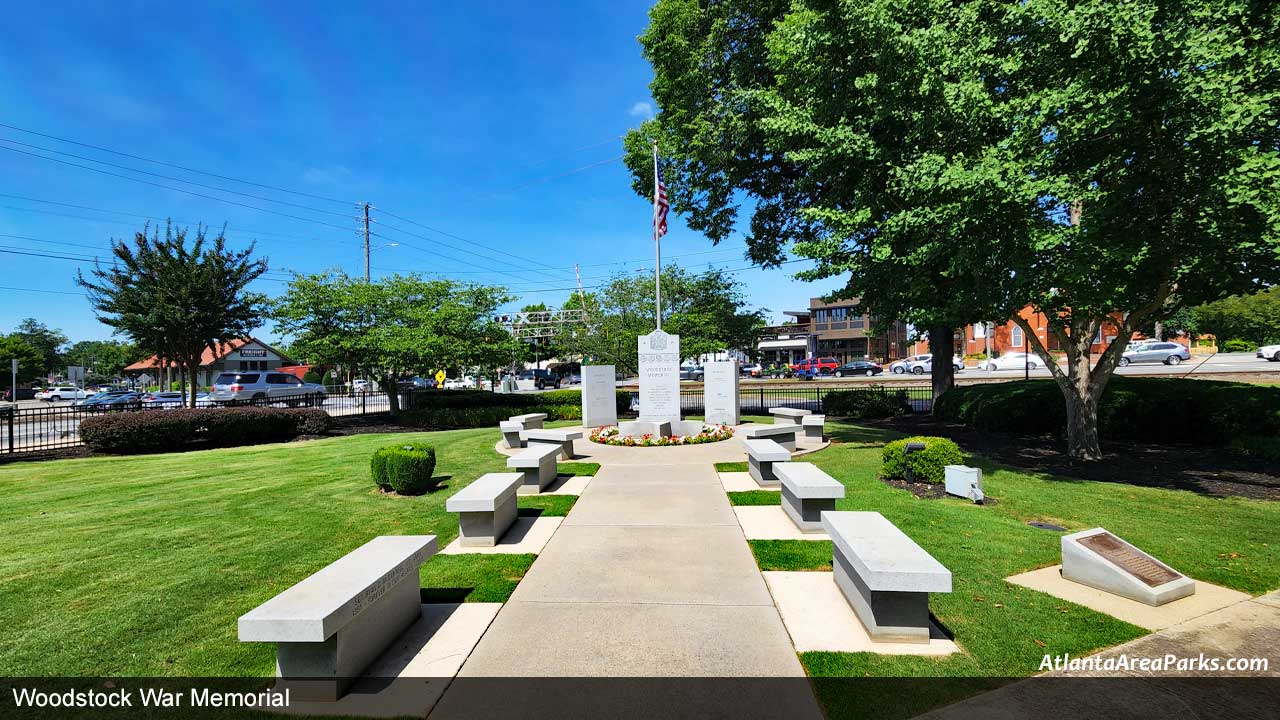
x=793, y=343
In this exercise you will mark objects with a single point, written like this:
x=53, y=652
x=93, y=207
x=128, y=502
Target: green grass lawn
x=1004, y=629
x=141, y=565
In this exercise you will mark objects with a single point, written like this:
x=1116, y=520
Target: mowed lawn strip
x=141, y=565
x=1005, y=630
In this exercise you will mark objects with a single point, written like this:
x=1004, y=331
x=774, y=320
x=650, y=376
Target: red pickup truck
x=816, y=366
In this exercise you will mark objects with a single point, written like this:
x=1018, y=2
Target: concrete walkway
x=649, y=576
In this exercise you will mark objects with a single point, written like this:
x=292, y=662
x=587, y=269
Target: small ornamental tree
x=176, y=299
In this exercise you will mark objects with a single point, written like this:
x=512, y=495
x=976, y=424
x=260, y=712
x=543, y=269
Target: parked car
x=575, y=379
x=239, y=387
x=1270, y=352
x=23, y=394
x=462, y=383
x=364, y=386
x=751, y=370
x=1011, y=361
x=1163, y=352
x=900, y=367
x=99, y=397
x=816, y=366
x=59, y=393
x=166, y=399
x=542, y=379
x=859, y=367
x=691, y=372
x=921, y=367
x=120, y=402
x=415, y=383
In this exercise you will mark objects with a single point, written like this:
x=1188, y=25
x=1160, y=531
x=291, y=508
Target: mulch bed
x=1209, y=471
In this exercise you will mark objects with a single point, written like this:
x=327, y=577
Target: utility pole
x=366, y=242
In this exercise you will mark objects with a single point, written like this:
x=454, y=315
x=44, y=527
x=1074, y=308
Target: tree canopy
x=960, y=161
x=46, y=341
x=30, y=361
x=174, y=299
x=1254, y=318
x=707, y=310
x=105, y=358
x=392, y=327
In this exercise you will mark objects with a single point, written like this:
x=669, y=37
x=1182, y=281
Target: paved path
x=649, y=576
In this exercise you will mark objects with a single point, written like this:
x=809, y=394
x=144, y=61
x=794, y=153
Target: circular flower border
x=612, y=436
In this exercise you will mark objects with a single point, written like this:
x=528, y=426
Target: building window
x=1015, y=336
x=979, y=331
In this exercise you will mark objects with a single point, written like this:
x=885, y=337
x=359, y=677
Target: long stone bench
x=787, y=416
x=331, y=626
x=761, y=458
x=511, y=430
x=813, y=426
x=530, y=421
x=486, y=508
x=562, y=439
x=885, y=575
x=537, y=467
x=784, y=434
x=807, y=492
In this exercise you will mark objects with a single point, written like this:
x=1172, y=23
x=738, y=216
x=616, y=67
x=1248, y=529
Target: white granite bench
x=563, y=439
x=813, y=426
x=786, y=415
x=637, y=428
x=761, y=456
x=530, y=421
x=885, y=575
x=783, y=434
x=537, y=467
x=511, y=430
x=486, y=508
x=807, y=492
x=332, y=625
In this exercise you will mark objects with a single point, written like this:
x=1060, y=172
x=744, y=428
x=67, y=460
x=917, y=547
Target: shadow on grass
x=445, y=594
x=861, y=434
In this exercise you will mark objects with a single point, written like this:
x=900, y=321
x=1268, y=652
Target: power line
x=455, y=237
x=35, y=290
x=181, y=190
x=176, y=167
x=170, y=177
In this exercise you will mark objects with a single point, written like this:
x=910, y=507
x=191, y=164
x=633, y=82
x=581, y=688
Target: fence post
x=761, y=409
x=12, y=411
x=364, y=394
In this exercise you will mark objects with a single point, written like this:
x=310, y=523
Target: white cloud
x=642, y=110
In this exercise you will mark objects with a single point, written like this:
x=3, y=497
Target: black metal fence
x=42, y=428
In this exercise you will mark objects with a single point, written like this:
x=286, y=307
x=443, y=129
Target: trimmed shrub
x=406, y=469
x=1238, y=345
x=926, y=465
x=181, y=429
x=1139, y=409
x=444, y=418
x=1267, y=448
x=866, y=403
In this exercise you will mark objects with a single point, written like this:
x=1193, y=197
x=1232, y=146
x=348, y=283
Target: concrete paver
x=526, y=535
x=770, y=522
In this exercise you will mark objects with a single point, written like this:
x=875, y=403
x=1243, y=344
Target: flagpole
x=657, y=243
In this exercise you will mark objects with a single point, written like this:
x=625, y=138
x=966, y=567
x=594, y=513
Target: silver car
x=264, y=386
x=1163, y=352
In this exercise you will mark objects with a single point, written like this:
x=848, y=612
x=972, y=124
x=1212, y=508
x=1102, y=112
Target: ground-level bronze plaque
x=1131, y=561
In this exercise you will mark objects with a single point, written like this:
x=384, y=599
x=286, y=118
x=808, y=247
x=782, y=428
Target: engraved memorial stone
x=659, y=359
x=599, y=396
x=720, y=392
x=1101, y=560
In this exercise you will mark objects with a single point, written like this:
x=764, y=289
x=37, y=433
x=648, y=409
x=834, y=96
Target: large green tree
x=30, y=361
x=176, y=299
x=47, y=341
x=709, y=311
x=1255, y=318
x=1092, y=159
x=394, y=326
x=104, y=358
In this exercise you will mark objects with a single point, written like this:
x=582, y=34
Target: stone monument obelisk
x=659, y=360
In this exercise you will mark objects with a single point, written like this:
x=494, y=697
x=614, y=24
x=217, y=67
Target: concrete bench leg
x=566, y=449
x=787, y=441
x=323, y=671
x=887, y=616
x=484, y=529
x=512, y=441
x=762, y=471
x=806, y=513
x=533, y=424
x=813, y=432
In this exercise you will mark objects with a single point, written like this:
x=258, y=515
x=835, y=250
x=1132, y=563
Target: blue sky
x=498, y=124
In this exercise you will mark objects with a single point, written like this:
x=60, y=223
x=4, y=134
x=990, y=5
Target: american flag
x=660, y=204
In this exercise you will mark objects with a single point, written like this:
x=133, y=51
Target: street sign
x=439, y=376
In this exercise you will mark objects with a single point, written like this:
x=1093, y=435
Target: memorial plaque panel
x=659, y=357
x=599, y=396
x=1141, y=566
x=720, y=392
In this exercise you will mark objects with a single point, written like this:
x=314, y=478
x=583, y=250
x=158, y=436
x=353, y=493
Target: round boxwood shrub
x=405, y=468
x=926, y=465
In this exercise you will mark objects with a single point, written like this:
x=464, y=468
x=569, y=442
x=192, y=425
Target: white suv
x=58, y=393
x=1270, y=352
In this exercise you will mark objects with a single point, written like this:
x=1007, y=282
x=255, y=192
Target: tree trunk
x=941, y=344
x=1082, y=418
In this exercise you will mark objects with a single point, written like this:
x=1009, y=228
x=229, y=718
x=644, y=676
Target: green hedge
x=927, y=465
x=406, y=468
x=1169, y=410
x=866, y=403
x=526, y=402
x=445, y=418
x=180, y=429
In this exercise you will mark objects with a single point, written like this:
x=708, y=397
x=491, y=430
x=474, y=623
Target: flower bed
x=611, y=436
